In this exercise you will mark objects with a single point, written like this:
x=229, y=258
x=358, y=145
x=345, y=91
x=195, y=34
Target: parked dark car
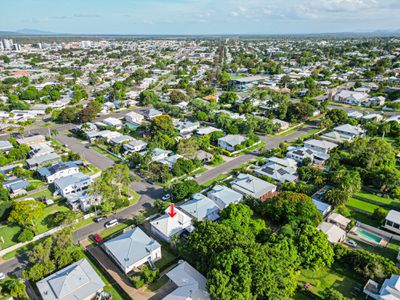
x=99, y=219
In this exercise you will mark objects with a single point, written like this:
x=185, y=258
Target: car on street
x=97, y=238
x=166, y=197
x=99, y=219
x=149, y=181
x=111, y=223
x=2, y=276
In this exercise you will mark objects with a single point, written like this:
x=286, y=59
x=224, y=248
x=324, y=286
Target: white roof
x=339, y=219
x=251, y=185
x=335, y=233
x=170, y=226
x=393, y=216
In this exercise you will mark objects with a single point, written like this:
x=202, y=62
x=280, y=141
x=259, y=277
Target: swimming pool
x=369, y=236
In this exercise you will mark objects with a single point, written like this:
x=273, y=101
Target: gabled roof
x=131, y=247
x=57, y=168
x=77, y=178
x=393, y=216
x=200, y=207
x=225, y=194
x=233, y=139
x=170, y=226
x=251, y=185
x=76, y=281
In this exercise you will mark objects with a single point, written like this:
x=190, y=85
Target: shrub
x=26, y=235
x=137, y=282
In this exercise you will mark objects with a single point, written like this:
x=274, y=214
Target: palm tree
x=15, y=286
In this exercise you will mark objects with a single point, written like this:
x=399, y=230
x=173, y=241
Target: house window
x=395, y=225
x=390, y=223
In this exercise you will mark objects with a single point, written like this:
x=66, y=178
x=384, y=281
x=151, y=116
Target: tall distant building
x=7, y=44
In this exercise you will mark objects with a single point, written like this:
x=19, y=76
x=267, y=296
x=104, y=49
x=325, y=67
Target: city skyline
x=200, y=17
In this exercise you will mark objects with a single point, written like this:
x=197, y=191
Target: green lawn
x=214, y=180
x=167, y=259
x=9, y=233
x=363, y=205
x=334, y=277
x=45, y=222
x=288, y=131
x=101, y=151
x=387, y=203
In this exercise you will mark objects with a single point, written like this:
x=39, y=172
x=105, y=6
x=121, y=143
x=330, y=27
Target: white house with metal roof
x=132, y=249
x=280, y=170
x=349, y=130
x=390, y=289
x=229, y=141
x=224, y=196
x=201, y=208
x=392, y=221
x=165, y=227
x=76, y=281
x=72, y=184
x=319, y=145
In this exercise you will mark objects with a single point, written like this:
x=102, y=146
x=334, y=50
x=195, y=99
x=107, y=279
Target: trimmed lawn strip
x=362, y=205
x=9, y=233
x=214, y=180
x=167, y=259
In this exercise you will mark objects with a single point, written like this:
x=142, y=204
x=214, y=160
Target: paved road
x=95, y=158
x=270, y=142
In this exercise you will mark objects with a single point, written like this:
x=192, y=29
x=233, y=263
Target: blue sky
x=199, y=16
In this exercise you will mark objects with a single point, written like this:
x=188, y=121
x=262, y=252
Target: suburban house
x=42, y=160
x=390, y=289
x=322, y=207
x=133, y=118
x=351, y=97
x=335, y=137
x=134, y=146
x=229, y=141
x=206, y=130
x=32, y=140
x=113, y=122
x=335, y=233
x=392, y=221
x=59, y=170
x=16, y=185
x=82, y=200
x=151, y=113
x=158, y=154
x=165, y=227
x=5, y=146
x=224, y=196
x=282, y=125
x=121, y=139
x=300, y=153
x=170, y=160
x=132, y=249
x=319, y=145
x=339, y=220
x=244, y=83
x=40, y=149
x=72, y=184
x=76, y=281
x=250, y=185
x=349, y=130
x=190, y=283
x=280, y=170
x=372, y=117
x=186, y=127
x=201, y=208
